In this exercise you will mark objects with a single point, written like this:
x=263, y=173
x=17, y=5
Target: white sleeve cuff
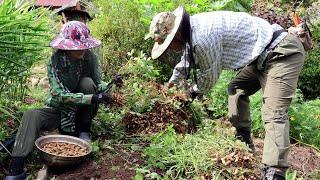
x=195, y=88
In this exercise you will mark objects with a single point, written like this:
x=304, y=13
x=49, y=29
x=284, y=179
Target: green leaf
x=6, y=112
x=138, y=176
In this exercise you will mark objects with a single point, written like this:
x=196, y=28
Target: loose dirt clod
x=158, y=119
x=117, y=101
x=64, y=149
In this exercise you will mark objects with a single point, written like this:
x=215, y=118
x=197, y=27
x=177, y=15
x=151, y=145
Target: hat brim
x=67, y=44
x=159, y=49
x=69, y=12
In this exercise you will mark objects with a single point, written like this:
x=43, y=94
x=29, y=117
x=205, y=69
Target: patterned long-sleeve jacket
x=64, y=76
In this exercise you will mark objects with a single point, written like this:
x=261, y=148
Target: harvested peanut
x=64, y=149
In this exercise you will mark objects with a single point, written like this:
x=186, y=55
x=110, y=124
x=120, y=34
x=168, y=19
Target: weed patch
x=211, y=149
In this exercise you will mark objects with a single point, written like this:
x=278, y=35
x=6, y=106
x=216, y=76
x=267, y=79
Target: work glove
x=170, y=85
x=192, y=94
x=101, y=98
x=118, y=80
x=187, y=96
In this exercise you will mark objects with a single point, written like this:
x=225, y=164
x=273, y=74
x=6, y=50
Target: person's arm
x=209, y=60
x=61, y=93
x=180, y=70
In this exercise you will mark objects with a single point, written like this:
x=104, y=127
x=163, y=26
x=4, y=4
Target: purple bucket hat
x=74, y=35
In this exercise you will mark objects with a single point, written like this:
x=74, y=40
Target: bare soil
x=302, y=159
x=120, y=163
x=117, y=163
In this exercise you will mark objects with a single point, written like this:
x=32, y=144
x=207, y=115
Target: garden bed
x=120, y=163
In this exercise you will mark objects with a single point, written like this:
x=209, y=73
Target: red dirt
x=118, y=163
x=302, y=159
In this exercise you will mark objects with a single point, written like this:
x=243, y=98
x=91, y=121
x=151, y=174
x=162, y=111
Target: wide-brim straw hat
x=74, y=35
x=160, y=47
x=70, y=11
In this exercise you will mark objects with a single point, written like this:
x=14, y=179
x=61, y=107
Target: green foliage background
x=310, y=74
x=122, y=25
x=120, y=31
x=24, y=38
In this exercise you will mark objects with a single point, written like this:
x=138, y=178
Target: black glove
x=118, y=80
x=193, y=94
x=101, y=98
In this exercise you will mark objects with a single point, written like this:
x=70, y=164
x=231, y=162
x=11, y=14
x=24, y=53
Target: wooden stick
x=5, y=148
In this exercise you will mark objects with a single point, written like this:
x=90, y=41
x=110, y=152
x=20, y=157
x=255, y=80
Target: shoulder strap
x=192, y=63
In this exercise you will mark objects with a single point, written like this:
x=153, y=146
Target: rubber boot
x=85, y=136
x=21, y=176
x=16, y=169
x=272, y=173
x=245, y=136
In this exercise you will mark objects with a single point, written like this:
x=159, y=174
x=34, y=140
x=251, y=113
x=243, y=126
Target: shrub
x=24, y=35
x=120, y=30
x=304, y=122
x=310, y=74
x=122, y=25
x=141, y=71
x=303, y=115
x=190, y=156
x=194, y=6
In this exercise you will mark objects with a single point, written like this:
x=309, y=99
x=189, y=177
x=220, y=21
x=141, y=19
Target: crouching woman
x=76, y=90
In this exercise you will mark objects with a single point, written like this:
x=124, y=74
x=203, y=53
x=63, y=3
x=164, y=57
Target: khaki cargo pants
x=48, y=119
x=278, y=81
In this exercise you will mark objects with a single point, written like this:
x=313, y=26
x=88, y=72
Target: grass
x=305, y=122
x=193, y=155
x=304, y=119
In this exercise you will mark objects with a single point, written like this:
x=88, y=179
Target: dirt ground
x=120, y=163
x=117, y=163
x=302, y=159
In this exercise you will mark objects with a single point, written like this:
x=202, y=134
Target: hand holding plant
x=118, y=80
x=189, y=95
x=101, y=98
x=183, y=97
x=170, y=85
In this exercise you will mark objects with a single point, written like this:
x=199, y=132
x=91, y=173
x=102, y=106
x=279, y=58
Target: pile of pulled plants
x=158, y=119
x=149, y=107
